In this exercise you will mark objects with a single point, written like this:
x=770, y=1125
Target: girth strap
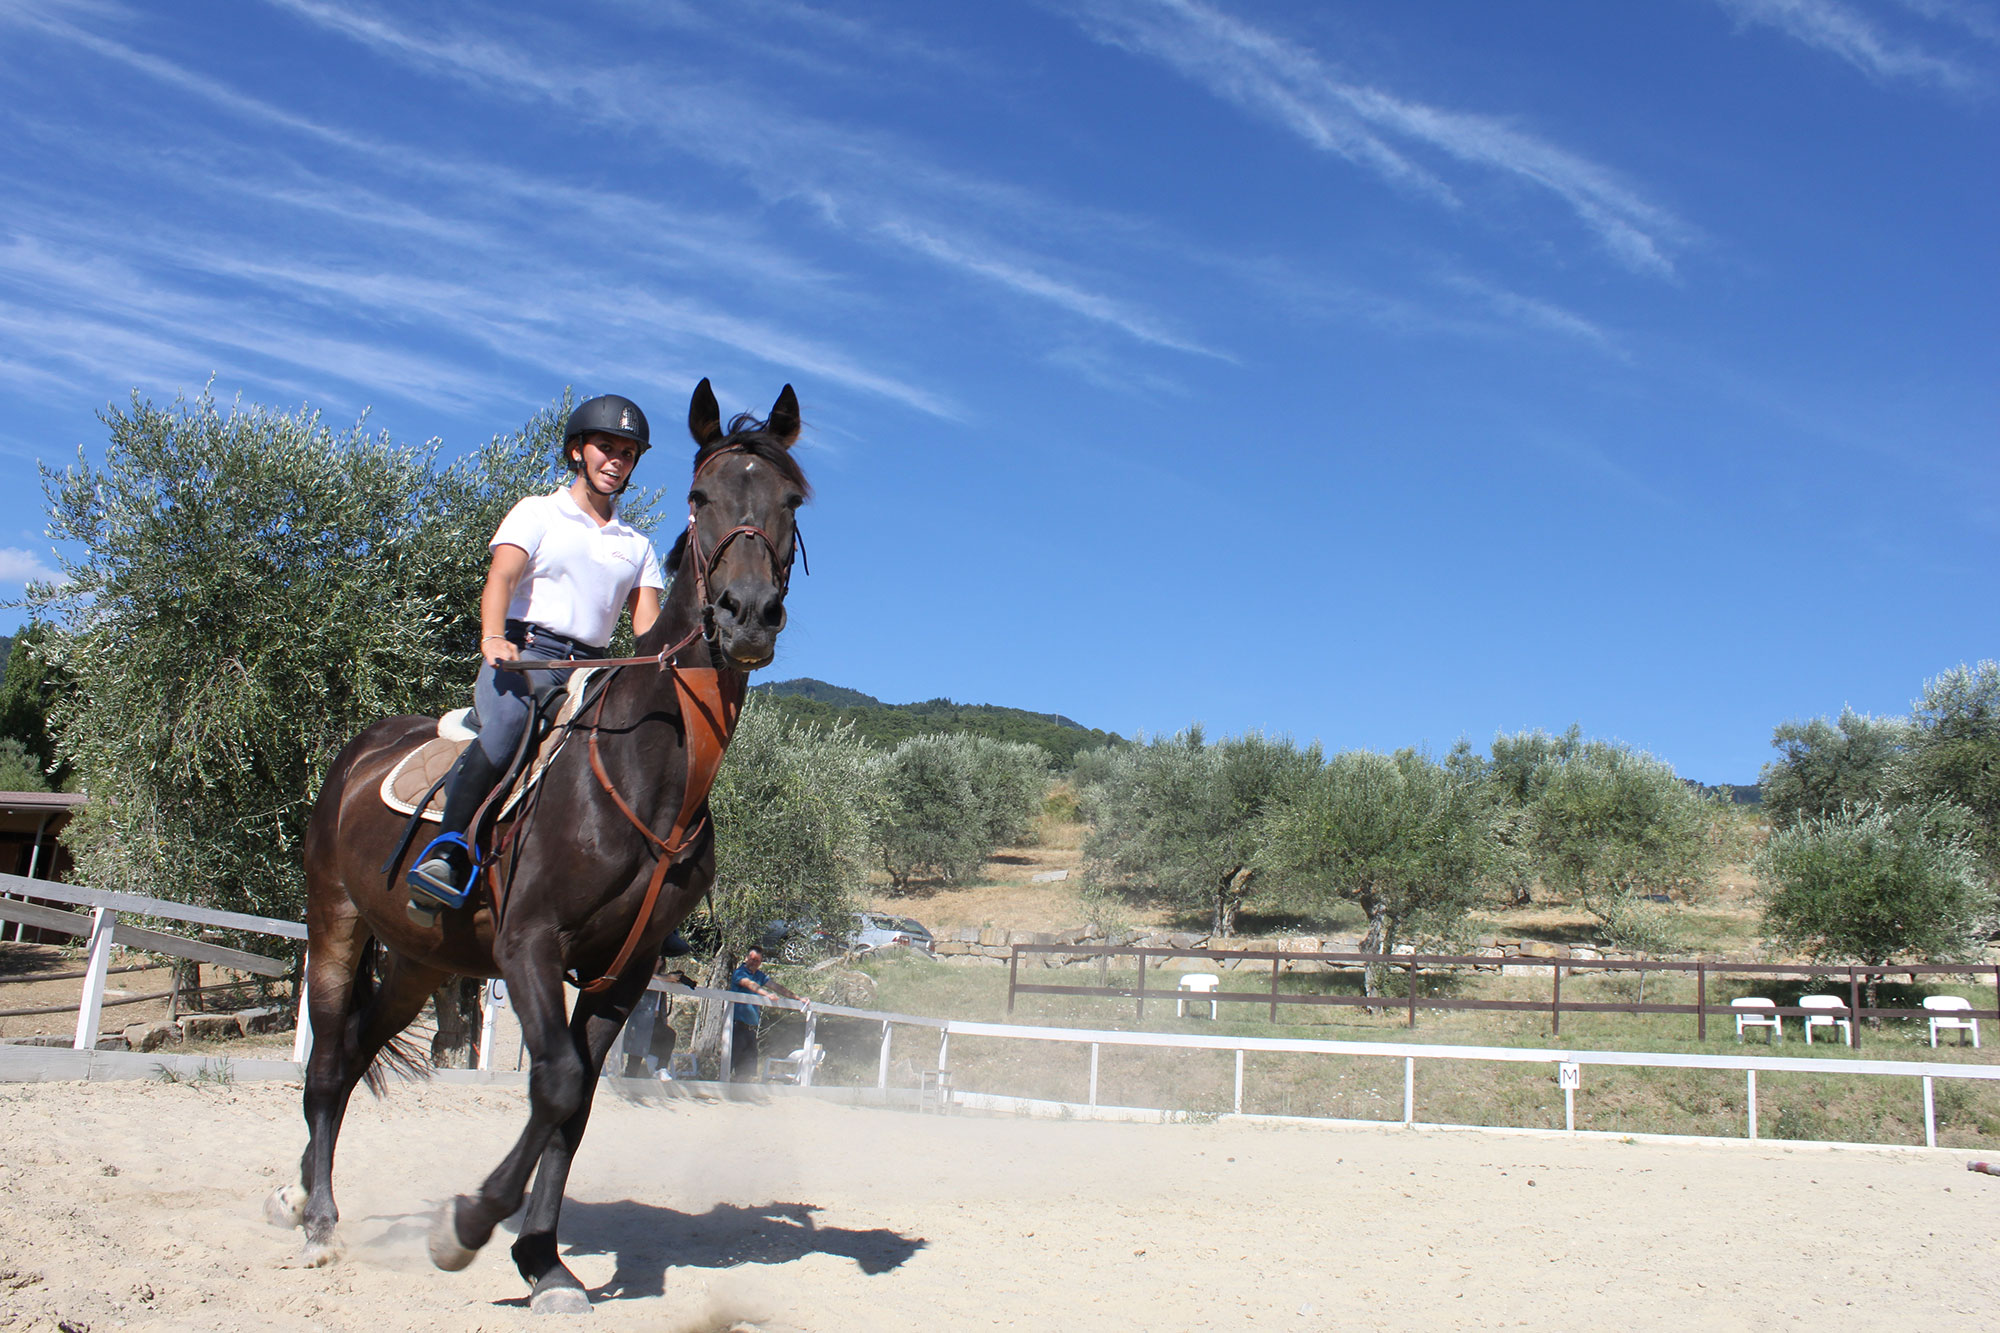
x=710, y=701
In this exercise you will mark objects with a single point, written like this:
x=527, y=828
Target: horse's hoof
x=320, y=1254
x=560, y=1300
x=446, y=1252
x=286, y=1207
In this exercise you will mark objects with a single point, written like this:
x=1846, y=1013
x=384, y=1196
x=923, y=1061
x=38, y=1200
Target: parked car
x=878, y=930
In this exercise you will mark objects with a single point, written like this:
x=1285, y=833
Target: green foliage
x=1179, y=817
x=947, y=800
x=793, y=808
x=1408, y=840
x=1953, y=752
x=1825, y=766
x=19, y=769
x=254, y=588
x=29, y=685
x=1611, y=825
x=1870, y=883
x=889, y=725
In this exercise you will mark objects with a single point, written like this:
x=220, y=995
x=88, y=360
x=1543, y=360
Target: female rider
x=563, y=567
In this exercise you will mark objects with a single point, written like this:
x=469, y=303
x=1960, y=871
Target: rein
x=710, y=700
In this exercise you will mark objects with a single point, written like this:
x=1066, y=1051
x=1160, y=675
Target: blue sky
x=1374, y=372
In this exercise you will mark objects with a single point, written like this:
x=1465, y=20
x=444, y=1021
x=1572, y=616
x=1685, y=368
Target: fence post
x=1013, y=974
x=1140, y=959
x=1239, y=1082
x=1930, y=1115
x=1753, y=1101
x=811, y=1047
x=1701, y=1001
x=1409, y=1090
x=1274, y=988
x=1413, y=991
x=882, y=1065
x=302, y=1031
x=1556, y=1004
x=90, y=1011
x=491, y=996
x=1093, y=1075
x=1854, y=1004
x=727, y=1074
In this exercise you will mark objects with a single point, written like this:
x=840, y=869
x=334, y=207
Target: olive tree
x=244, y=590
x=1826, y=765
x=947, y=801
x=1179, y=817
x=1406, y=839
x=1871, y=883
x=793, y=808
x=1952, y=752
x=1611, y=826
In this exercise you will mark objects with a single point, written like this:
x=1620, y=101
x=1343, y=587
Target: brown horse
x=614, y=853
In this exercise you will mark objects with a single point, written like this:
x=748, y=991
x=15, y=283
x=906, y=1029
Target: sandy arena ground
x=136, y=1205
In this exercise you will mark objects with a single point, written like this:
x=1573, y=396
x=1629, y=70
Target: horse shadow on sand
x=646, y=1240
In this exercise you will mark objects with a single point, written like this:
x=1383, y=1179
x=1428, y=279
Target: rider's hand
x=495, y=649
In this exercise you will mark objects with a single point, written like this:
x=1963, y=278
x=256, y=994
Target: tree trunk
x=1377, y=940
x=456, y=1045
x=707, y=1044
x=1229, y=900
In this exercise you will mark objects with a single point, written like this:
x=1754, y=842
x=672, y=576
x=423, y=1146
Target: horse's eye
x=794, y=501
x=697, y=498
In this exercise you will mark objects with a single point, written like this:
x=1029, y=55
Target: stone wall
x=992, y=945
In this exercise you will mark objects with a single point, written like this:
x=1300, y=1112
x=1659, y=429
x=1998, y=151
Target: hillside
x=880, y=724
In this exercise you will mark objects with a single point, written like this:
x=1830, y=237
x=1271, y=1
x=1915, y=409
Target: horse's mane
x=748, y=435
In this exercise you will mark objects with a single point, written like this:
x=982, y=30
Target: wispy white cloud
x=19, y=566
x=864, y=184
x=1844, y=30
x=1531, y=312
x=1977, y=19
x=1289, y=83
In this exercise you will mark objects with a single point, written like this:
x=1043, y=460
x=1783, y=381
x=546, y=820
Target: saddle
x=423, y=769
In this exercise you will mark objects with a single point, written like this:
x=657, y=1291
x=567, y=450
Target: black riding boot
x=442, y=876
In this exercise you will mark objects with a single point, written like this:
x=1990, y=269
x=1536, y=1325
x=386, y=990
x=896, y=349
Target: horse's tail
x=400, y=1053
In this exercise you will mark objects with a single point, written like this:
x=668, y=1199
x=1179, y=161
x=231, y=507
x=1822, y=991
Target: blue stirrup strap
x=464, y=895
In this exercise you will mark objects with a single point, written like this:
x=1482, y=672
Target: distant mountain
x=885, y=725
x=1734, y=793
x=805, y=687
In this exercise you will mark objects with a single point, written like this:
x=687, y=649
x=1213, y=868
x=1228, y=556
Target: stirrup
x=430, y=892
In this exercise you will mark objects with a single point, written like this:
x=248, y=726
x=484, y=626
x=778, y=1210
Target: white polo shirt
x=579, y=574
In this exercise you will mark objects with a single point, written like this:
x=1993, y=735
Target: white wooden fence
x=104, y=930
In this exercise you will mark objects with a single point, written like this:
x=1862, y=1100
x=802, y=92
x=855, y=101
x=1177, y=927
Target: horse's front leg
x=593, y=1029
x=558, y=1083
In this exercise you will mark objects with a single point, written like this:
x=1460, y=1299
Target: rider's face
x=608, y=461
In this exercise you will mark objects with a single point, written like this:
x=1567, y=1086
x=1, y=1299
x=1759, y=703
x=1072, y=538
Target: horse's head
x=741, y=538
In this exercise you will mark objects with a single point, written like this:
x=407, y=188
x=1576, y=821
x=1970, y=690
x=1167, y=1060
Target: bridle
x=781, y=571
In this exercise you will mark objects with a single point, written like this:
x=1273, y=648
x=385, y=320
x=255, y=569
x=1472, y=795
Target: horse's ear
x=704, y=416
x=784, y=422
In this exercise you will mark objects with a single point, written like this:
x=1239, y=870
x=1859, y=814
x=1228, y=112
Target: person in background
x=649, y=1036
x=750, y=979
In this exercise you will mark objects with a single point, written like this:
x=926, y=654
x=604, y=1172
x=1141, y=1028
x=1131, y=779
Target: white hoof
x=446, y=1252
x=320, y=1254
x=560, y=1300
x=286, y=1207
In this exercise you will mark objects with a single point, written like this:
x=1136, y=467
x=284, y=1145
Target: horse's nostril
x=774, y=613
x=728, y=605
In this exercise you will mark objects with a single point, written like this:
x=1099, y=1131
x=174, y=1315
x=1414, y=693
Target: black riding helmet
x=607, y=414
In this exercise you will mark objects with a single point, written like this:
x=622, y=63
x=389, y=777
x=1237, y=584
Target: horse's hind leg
x=593, y=1029
x=353, y=1019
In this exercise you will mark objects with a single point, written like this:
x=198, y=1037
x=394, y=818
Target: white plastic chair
x=792, y=1067
x=1748, y=1016
x=1942, y=1008
x=1831, y=1002
x=1197, y=984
